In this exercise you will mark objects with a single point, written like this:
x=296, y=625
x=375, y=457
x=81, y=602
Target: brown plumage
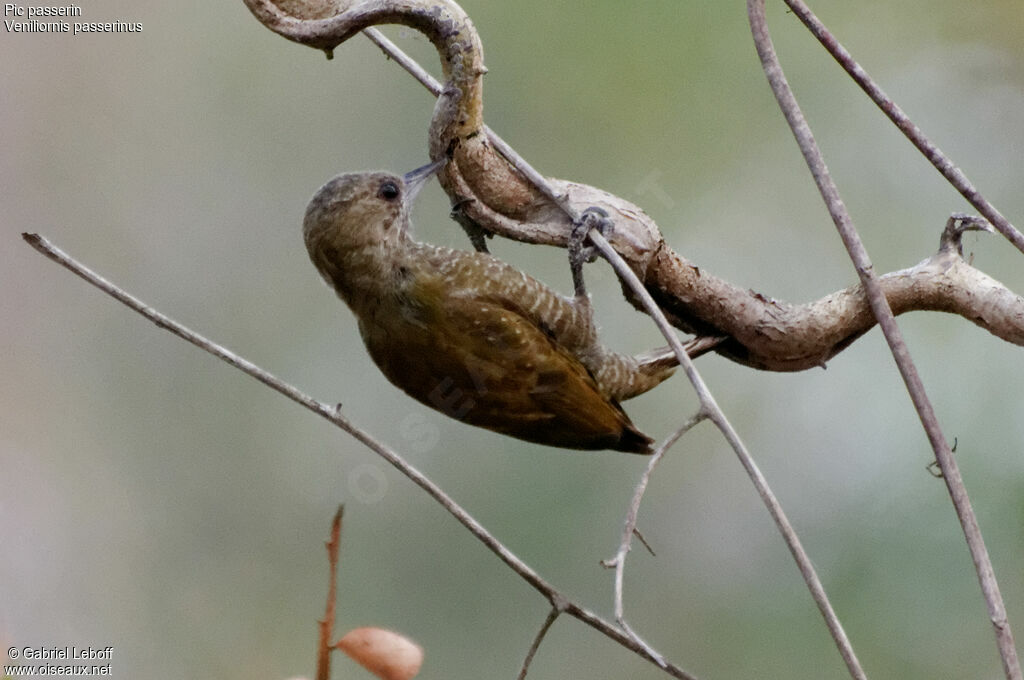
x=467, y=334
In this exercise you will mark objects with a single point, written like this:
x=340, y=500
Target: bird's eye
x=388, y=191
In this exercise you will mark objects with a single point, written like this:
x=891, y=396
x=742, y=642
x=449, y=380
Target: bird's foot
x=477, y=234
x=579, y=250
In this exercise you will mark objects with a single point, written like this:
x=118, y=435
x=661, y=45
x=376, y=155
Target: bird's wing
x=525, y=383
x=479, y=359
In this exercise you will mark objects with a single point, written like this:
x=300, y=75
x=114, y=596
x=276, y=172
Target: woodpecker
x=468, y=334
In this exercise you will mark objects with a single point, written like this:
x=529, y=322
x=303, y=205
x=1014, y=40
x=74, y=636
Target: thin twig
x=404, y=60
x=708, y=403
x=323, y=657
x=893, y=336
x=537, y=640
x=334, y=415
x=629, y=530
x=953, y=174
x=643, y=541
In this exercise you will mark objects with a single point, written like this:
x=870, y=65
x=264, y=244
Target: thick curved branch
x=325, y=24
x=761, y=332
x=779, y=336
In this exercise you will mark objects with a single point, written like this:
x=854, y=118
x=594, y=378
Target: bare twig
x=404, y=60
x=953, y=174
x=708, y=404
x=538, y=639
x=629, y=530
x=618, y=562
x=643, y=541
x=334, y=415
x=893, y=336
x=323, y=656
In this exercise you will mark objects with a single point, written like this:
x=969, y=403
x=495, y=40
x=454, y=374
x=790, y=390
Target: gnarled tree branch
x=760, y=332
x=779, y=336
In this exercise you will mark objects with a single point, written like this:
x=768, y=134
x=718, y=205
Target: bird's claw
x=476, y=233
x=591, y=218
x=579, y=250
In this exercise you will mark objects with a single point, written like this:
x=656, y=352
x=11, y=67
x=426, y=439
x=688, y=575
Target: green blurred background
x=161, y=502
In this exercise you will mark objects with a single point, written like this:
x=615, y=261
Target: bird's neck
x=367, y=276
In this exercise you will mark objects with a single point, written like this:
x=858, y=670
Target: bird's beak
x=415, y=180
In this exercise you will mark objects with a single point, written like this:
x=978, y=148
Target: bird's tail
x=656, y=359
x=622, y=377
x=664, y=357
x=629, y=376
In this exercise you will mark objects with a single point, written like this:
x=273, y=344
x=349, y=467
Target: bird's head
x=358, y=210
